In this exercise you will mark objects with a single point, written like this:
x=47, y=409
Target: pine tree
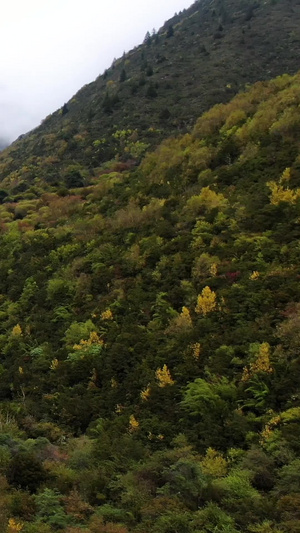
x=123, y=76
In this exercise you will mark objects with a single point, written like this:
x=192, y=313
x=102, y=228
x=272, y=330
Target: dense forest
x=150, y=311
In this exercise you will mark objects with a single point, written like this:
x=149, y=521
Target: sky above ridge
x=51, y=48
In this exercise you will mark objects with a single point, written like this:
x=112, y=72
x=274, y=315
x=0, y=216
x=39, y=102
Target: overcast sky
x=50, y=48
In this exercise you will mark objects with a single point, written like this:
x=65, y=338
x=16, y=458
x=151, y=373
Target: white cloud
x=51, y=48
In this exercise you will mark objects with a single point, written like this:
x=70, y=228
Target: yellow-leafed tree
x=16, y=331
x=133, y=424
x=214, y=464
x=14, y=526
x=261, y=363
x=206, y=301
x=164, y=377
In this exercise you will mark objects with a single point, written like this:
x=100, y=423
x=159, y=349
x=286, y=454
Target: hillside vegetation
x=149, y=335
x=201, y=57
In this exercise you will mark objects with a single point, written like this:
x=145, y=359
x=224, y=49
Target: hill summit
x=200, y=57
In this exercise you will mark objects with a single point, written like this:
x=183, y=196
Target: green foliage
x=172, y=523
x=58, y=290
x=206, y=200
x=237, y=486
x=212, y=519
x=5, y=457
x=289, y=480
x=185, y=477
x=201, y=396
x=78, y=331
x=50, y=510
x=26, y=471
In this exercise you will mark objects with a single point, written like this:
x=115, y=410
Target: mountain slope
x=150, y=336
x=201, y=57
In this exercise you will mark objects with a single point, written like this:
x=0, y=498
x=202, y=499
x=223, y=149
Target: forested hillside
x=149, y=335
x=150, y=289
x=201, y=57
